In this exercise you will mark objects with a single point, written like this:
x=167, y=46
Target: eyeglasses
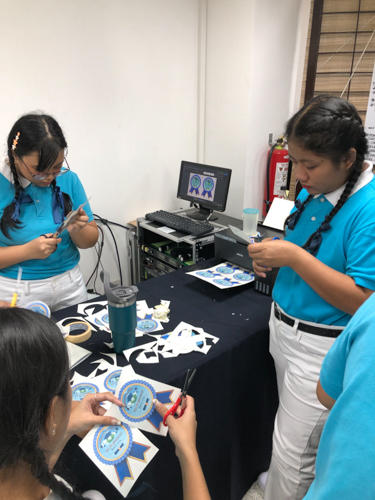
x=42, y=176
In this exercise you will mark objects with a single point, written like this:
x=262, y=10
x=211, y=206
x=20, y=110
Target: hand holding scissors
x=173, y=410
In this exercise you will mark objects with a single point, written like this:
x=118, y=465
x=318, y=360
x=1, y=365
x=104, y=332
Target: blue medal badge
x=227, y=269
x=111, y=381
x=113, y=445
x=79, y=391
x=207, y=274
x=208, y=185
x=195, y=183
x=103, y=320
x=137, y=396
x=224, y=282
x=146, y=324
x=243, y=277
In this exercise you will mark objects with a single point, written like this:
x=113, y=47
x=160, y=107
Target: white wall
x=139, y=86
x=277, y=58
x=121, y=79
x=255, y=57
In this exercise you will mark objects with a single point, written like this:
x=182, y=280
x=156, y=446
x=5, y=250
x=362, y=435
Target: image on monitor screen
x=205, y=185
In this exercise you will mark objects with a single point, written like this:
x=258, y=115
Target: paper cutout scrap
x=184, y=339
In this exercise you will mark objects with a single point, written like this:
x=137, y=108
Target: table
x=234, y=388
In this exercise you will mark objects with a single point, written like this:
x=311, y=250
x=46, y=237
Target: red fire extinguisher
x=278, y=174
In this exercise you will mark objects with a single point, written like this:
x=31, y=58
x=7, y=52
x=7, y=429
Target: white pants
x=60, y=291
x=300, y=418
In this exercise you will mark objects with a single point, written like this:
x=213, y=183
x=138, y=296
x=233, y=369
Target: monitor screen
x=205, y=185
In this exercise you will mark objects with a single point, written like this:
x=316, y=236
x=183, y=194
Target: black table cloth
x=234, y=389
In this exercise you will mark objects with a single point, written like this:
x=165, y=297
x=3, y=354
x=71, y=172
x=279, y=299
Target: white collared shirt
x=7, y=173
x=365, y=177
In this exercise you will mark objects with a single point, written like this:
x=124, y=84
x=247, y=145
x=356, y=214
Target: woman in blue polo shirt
x=327, y=271
x=38, y=190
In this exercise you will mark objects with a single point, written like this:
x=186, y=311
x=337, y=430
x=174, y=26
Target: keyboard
x=180, y=223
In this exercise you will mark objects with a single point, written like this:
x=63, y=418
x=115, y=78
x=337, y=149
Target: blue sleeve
x=333, y=367
x=79, y=197
x=361, y=254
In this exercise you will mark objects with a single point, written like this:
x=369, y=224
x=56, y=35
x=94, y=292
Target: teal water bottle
x=122, y=313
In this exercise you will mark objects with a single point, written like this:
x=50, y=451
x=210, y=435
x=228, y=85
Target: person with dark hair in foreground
x=38, y=417
x=327, y=271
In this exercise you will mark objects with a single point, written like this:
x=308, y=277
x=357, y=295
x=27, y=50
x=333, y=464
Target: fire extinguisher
x=278, y=174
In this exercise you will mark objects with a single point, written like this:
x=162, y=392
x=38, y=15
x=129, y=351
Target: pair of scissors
x=179, y=401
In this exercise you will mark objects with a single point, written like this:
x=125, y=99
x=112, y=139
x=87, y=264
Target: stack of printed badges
x=122, y=451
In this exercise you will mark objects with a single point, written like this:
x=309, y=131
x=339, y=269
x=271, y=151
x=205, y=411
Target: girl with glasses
x=38, y=191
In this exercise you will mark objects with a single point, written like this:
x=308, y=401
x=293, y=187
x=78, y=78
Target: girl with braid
x=38, y=417
x=327, y=271
x=38, y=191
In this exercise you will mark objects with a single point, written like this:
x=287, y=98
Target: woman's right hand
x=42, y=247
x=182, y=429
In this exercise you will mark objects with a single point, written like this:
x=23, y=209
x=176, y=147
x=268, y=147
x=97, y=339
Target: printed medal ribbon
x=79, y=391
x=113, y=445
x=137, y=396
x=208, y=186
x=195, y=182
x=146, y=324
x=111, y=380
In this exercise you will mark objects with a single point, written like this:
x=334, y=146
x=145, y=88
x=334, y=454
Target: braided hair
x=329, y=127
x=34, y=368
x=37, y=133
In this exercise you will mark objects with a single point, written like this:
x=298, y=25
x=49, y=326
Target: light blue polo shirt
x=349, y=247
x=37, y=219
x=345, y=462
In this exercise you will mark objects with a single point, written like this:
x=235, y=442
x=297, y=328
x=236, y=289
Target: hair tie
x=316, y=240
x=296, y=215
x=22, y=198
x=57, y=202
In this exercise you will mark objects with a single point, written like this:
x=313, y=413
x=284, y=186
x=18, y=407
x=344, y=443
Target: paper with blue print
x=120, y=452
x=137, y=393
x=225, y=275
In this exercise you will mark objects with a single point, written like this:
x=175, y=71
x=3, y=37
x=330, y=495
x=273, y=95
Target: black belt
x=315, y=330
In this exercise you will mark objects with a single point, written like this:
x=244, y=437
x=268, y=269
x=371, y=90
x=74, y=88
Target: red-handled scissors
x=173, y=410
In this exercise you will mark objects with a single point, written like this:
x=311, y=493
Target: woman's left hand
x=88, y=412
x=79, y=223
x=274, y=253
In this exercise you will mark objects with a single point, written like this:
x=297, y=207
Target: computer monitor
x=206, y=185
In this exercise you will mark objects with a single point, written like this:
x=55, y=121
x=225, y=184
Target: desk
x=234, y=389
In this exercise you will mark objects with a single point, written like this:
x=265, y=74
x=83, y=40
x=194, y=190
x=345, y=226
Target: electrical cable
x=106, y=223
x=99, y=254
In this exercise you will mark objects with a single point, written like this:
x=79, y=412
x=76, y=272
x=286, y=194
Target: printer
x=230, y=248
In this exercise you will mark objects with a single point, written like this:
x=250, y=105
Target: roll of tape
x=78, y=325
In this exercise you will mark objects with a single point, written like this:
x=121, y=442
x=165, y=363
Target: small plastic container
x=250, y=221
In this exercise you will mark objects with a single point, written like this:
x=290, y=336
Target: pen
x=15, y=295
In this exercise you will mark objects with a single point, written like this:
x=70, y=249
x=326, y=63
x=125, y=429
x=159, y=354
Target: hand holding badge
x=137, y=394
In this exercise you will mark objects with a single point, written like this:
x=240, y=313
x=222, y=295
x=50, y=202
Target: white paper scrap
x=278, y=212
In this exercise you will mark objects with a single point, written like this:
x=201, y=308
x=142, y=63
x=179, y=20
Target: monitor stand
x=203, y=214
